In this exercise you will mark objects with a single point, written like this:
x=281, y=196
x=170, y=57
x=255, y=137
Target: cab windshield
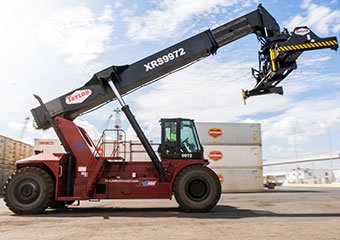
x=189, y=138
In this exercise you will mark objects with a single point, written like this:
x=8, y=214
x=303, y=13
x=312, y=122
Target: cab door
x=179, y=140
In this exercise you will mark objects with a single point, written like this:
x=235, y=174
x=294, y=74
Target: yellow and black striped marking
x=272, y=59
x=305, y=46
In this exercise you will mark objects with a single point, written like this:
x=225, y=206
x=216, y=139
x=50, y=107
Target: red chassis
x=104, y=177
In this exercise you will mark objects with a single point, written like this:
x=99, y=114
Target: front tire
x=197, y=189
x=29, y=190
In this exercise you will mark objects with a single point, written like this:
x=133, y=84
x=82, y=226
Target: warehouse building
x=10, y=151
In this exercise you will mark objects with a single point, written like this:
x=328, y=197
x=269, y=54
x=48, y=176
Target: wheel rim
x=197, y=189
x=27, y=191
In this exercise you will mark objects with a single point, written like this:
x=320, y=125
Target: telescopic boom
x=278, y=55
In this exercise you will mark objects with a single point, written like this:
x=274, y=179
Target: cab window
x=189, y=139
x=170, y=132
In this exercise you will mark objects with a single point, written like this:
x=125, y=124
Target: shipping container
x=240, y=179
x=229, y=133
x=233, y=156
x=48, y=146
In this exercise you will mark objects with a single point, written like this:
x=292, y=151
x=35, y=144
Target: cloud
x=312, y=61
x=174, y=17
x=284, y=151
x=32, y=36
x=322, y=19
x=210, y=90
x=107, y=14
x=299, y=124
x=207, y=91
x=89, y=128
x=78, y=34
x=302, y=129
x=29, y=133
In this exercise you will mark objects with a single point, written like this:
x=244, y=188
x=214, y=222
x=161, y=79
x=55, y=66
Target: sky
x=52, y=47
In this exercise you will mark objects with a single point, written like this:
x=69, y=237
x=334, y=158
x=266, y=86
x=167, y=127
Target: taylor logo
x=215, y=155
x=220, y=177
x=301, y=31
x=215, y=132
x=78, y=96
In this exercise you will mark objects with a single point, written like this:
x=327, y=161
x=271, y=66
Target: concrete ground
x=283, y=213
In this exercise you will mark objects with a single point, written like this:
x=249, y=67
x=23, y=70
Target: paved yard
x=284, y=213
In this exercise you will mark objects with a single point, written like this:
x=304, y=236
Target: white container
x=240, y=179
x=229, y=133
x=233, y=156
x=134, y=149
x=48, y=146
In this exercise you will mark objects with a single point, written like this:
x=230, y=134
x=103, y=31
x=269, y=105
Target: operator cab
x=179, y=140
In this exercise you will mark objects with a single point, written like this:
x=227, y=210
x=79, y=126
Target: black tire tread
x=33, y=170
x=182, y=205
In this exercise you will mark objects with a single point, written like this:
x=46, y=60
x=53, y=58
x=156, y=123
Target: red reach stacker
x=83, y=173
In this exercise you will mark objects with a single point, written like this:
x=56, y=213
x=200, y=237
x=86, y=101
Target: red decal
x=301, y=31
x=215, y=155
x=215, y=132
x=220, y=177
x=46, y=142
x=78, y=96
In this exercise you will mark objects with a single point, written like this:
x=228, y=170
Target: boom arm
x=277, y=60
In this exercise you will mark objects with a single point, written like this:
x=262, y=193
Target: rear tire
x=197, y=189
x=28, y=190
